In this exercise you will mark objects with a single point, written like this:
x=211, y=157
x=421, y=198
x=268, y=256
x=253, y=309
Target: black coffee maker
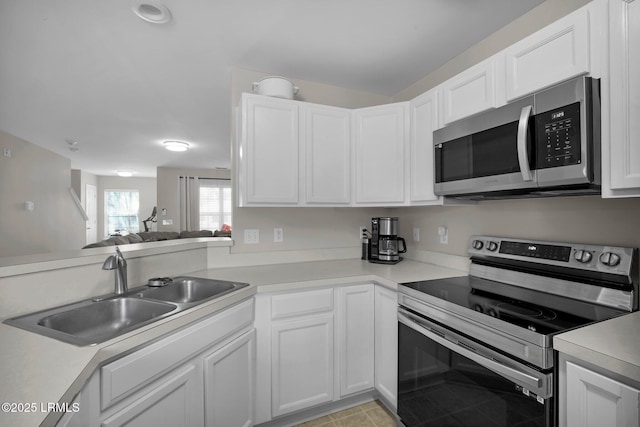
x=386, y=246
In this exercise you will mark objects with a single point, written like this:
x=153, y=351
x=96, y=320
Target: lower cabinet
x=229, y=375
x=202, y=375
x=173, y=400
x=592, y=399
x=314, y=347
x=386, y=344
x=301, y=363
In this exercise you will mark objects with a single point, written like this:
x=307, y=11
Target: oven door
x=445, y=379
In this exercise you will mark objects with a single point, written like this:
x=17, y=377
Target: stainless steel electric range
x=478, y=350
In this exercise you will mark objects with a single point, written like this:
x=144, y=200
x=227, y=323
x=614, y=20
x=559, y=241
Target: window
x=121, y=211
x=215, y=203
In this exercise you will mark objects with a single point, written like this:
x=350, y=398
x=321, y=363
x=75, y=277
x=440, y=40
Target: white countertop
x=40, y=370
x=613, y=345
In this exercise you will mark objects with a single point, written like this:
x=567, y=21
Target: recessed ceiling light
x=151, y=11
x=176, y=146
x=124, y=174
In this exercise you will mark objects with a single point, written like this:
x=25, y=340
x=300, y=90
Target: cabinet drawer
x=300, y=303
x=126, y=375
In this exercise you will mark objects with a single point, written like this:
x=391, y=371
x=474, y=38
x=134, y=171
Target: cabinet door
x=470, y=92
x=327, y=139
x=386, y=344
x=424, y=120
x=625, y=92
x=594, y=400
x=554, y=54
x=301, y=363
x=174, y=401
x=355, y=326
x=268, y=153
x=229, y=383
x=380, y=151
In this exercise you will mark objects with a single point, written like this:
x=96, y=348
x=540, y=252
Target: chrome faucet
x=118, y=263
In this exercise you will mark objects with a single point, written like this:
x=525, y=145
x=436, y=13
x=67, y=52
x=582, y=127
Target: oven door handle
x=523, y=133
x=522, y=378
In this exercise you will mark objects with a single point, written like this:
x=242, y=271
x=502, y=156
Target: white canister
x=275, y=86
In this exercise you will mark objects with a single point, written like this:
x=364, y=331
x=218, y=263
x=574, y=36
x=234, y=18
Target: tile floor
x=372, y=414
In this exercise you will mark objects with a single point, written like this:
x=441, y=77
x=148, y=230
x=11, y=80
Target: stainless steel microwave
x=547, y=144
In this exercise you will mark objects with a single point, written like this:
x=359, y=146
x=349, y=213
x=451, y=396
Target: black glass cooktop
x=536, y=311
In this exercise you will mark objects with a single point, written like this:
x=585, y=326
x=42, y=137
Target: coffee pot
x=386, y=246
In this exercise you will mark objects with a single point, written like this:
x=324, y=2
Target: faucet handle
x=110, y=263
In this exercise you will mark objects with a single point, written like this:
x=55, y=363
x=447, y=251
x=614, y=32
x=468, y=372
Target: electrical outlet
x=278, y=235
x=416, y=234
x=361, y=232
x=252, y=236
x=167, y=222
x=7, y=152
x=444, y=235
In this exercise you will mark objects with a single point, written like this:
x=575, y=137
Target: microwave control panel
x=558, y=137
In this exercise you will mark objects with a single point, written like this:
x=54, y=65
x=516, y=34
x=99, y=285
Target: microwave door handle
x=523, y=133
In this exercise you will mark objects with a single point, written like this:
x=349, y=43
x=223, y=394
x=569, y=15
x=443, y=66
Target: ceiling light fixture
x=124, y=174
x=151, y=11
x=176, y=146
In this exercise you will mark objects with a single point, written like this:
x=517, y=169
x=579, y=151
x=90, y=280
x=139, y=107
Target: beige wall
x=34, y=174
x=169, y=193
x=563, y=219
x=145, y=186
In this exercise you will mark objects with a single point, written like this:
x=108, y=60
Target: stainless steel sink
x=187, y=290
x=105, y=319
x=97, y=320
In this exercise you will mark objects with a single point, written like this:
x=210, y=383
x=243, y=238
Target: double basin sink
x=94, y=321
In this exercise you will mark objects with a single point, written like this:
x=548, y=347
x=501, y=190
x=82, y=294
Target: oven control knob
x=492, y=246
x=610, y=259
x=583, y=256
x=477, y=244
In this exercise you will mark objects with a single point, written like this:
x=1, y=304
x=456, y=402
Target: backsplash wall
x=564, y=219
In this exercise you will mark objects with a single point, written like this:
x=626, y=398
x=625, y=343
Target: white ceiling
x=93, y=72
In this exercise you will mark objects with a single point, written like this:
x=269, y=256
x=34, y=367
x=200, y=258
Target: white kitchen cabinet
x=302, y=363
x=381, y=153
x=200, y=375
x=355, y=325
x=472, y=91
x=174, y=400
x=292, y=153
x=229, y=375
x=386, y=344
x=327, y=154
x=319, y=346
x=554, y=54
x=594, y=400
x=624, y=99
x=267, y=152
x=424, y=120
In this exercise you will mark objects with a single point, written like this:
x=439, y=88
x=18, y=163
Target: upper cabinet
x=267, y=155
x=556, y=53
x=380, y=150
x=327, y=154
x=292, y=153
x=423, y=121
x=624, y=98
x=470, y=92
